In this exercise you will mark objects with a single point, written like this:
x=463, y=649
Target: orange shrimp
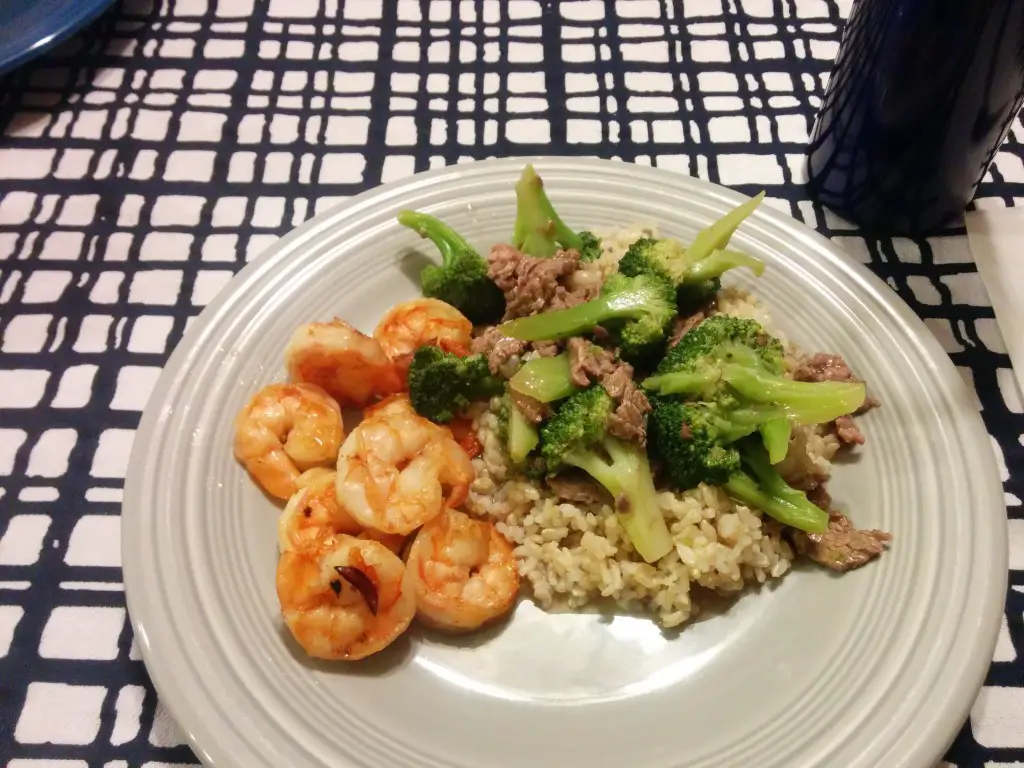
x=349, y=365
x=285, y=429
x=413, y=324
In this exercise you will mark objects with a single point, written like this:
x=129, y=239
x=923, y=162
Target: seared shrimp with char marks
x=464, y=572
x=349, y=365
x=412, y=324
x=313, y=513
x=284, y=430
x=397, y=470
x=346, y=598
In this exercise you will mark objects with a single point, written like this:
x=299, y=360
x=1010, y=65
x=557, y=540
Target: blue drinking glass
x=921, y=95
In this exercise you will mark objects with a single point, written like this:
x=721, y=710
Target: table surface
x=146, y=161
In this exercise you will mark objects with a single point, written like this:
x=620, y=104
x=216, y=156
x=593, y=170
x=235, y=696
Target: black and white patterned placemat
x=143, y=163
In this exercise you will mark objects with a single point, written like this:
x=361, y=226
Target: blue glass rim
x=34, y=27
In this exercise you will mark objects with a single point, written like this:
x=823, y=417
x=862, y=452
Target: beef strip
x=498, y=348
x=532, y=285
x=823, y=367
x=578, y=486
x=842, y=547
x=588, y=363
x=534, y=410
x=683, y=324
x=546, y=348
x=628, y=420
x=846, y=429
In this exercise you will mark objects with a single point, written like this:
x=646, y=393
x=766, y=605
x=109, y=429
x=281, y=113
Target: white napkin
x=996, y=237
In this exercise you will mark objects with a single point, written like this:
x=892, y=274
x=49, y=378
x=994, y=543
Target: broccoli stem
x=719, y=262
x=627, y=476
x=682, y=383
x=716, y=236
x=775, y=434
x=575, y=321
x=538, y=229
x=802, y=516
x=523, y=436
x=448, y=241
x=545, y=378
x=806, y=402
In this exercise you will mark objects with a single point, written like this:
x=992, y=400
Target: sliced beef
x=546, y=348
x=532, y=285
x=842, y=547
x=683, y=325
x=498, y=348
x=628, y=420
x=823, y=367
x=588, y=362
x=578, y=486
x=867, y=405
x=534, y=410
x=846, y=429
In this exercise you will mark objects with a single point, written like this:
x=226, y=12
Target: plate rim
x=931, y=742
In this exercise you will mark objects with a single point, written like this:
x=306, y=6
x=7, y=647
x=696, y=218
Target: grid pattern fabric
x=146, y=161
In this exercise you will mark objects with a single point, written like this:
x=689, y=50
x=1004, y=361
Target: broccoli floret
x=577, y=436
x=539, y=230
x=638, y=309
x=661, y=256
x=692, y=296
x=442, y=384
x=694, y=440
x=696, y=281
x=761, y=486
x=462, y=279
x=730, y=357
x=590, y=246
x=695, y=271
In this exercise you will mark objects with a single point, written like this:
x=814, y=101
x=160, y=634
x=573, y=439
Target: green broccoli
x=696, y=281
x=695, y=271
x=544, y=378
x=518, y=433
x=693, y=296
x=693, y=440
x=462, y=279
x=637, y=309
x=731, y=357
x=442, y=384
x=767, y=491
x=716, y=236
x=539, y=230
x=577, y=436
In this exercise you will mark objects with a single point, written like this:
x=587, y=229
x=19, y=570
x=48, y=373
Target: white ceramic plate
x=877, y=667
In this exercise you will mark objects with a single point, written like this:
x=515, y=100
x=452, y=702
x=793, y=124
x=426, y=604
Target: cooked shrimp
x=286, y=429
x=346, y=598
x=412, y=324
x=313, y=513
x=393, y=541
x=349, y=365
x=397, y=470
x=464, y=573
